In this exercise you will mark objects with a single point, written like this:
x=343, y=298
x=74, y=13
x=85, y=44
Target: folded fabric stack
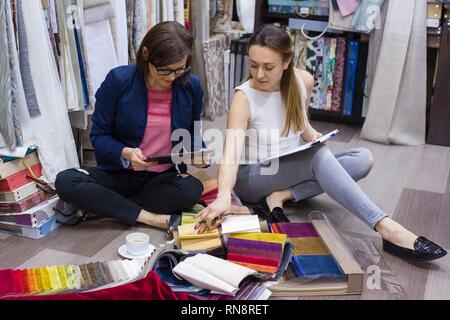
x=68, y=278
x=191, y=240
x=188, y=217
x=262, y=252
x=311, y=258
x=25, y=208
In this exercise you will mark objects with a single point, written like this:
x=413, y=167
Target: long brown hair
x=275, y=38
x=167, y=43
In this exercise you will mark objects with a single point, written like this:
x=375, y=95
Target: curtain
x=397, y=101
x=52, y=129
x=6, y=91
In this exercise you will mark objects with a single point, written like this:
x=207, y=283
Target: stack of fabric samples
x=311, y=258
x=25, y=209
x=191, y=240
x=188, y=217
x=68, y=278
x=262, y=252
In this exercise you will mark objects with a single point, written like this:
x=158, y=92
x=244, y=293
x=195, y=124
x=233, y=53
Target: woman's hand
x=137, y=159
x=311, y=135
x=209, y=218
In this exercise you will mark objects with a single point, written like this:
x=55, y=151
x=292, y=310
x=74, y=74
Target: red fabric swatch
x=18, y=281
x=7, y=286
x=253, y=260
x=150, y=288
x=210, y=197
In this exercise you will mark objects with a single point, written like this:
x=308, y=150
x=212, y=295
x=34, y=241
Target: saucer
x=124, y=253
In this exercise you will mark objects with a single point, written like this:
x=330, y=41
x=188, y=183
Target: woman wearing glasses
x=137, y=109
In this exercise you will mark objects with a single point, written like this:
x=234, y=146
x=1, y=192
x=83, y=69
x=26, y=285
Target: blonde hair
x=279, y=40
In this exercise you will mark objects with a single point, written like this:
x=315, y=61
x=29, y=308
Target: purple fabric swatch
x=297, y=230
x=245, y=251
x=257, y=245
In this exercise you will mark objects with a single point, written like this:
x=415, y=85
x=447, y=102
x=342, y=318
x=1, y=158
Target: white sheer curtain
x=52, y=129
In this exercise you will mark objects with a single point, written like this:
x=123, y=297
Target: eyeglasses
x=177, y=72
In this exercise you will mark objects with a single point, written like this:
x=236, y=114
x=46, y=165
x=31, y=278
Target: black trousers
x=123, y=194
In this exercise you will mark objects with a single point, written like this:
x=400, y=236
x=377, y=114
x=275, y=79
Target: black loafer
x=279, y=216
x=424, y=250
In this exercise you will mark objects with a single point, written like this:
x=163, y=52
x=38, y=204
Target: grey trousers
x=309, y=173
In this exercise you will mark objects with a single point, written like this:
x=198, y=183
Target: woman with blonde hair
x=275, y=98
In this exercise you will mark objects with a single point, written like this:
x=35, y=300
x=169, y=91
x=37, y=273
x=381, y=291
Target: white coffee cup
x=137, y=243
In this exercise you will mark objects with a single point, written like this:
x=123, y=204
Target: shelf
x=332, y=116
x=287, y=16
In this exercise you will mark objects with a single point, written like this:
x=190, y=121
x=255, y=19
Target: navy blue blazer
x=120, y=116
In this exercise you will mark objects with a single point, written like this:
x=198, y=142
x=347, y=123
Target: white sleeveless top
x=264, y=136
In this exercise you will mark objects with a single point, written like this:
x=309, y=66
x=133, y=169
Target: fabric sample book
x=209, y=272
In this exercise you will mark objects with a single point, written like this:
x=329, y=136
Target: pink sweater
x=157, y=137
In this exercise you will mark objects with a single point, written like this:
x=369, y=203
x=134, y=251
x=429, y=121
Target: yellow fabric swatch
x=187, y=218
x=62, y=276
x=55, y=283
x=39, y=280
x=46, y=279
x=201, y=244
x=187, y=232
x=266, y=237
x=308, y=246
x=71, y=284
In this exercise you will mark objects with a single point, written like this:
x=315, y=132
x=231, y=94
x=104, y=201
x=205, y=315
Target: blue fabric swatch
x=316, y=266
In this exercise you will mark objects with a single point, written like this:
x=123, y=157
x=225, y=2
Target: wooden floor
x=411, y=184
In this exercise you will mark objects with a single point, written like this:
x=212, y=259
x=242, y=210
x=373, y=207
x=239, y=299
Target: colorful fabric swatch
x=329, y=63
x=190, y=240
x=7, y=283
x=210, y=197
x=336, y=100
x=254, y=260
x=308, y=246
x=149, y=288
x=258, y=251
x=266, y=237
x=258, y=248
x=316, y=266
x=295, y=230
x=311, y=258
x=188, y=216
x=70, y=278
